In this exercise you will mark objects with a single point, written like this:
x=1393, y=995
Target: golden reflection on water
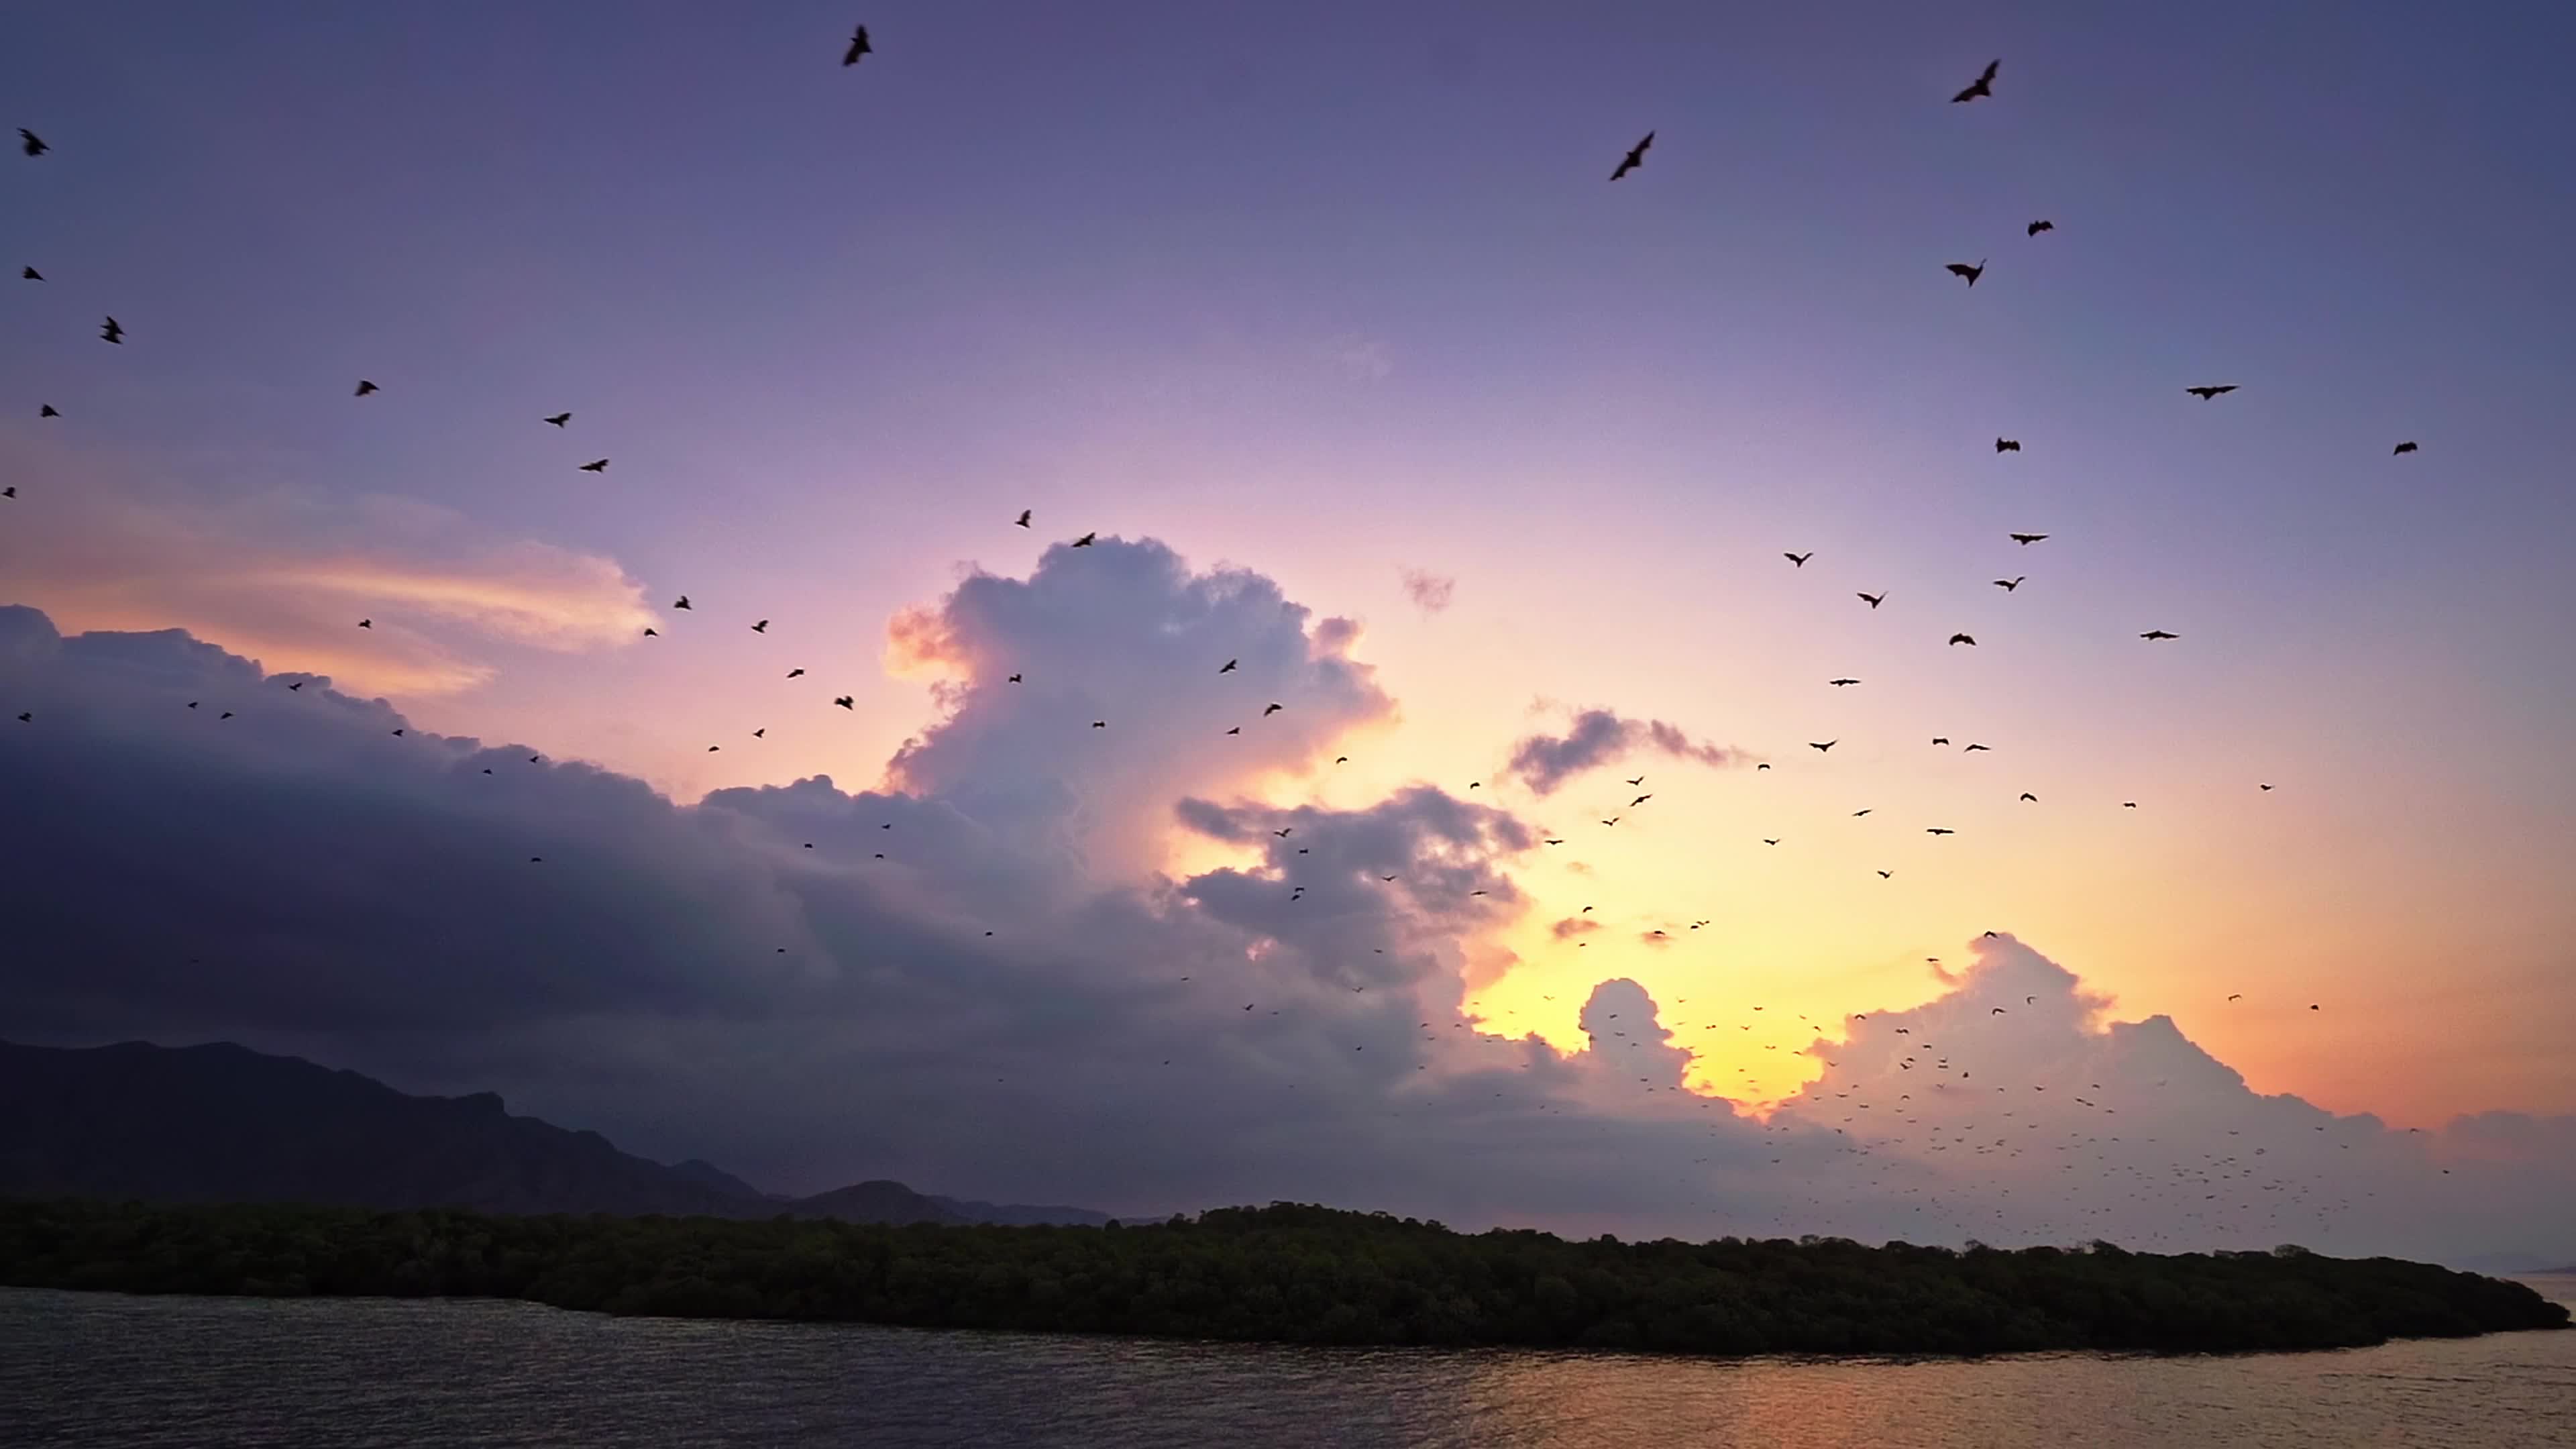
x=108, y=1372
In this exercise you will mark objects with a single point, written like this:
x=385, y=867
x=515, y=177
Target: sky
x=1327, y=321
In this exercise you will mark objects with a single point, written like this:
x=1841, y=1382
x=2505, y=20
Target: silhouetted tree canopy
x=1285, y=1273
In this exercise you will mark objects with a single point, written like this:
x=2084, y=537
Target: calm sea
x=101, y=1371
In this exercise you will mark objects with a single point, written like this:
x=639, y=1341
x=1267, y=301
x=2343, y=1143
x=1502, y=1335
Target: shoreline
x=1284, y=1275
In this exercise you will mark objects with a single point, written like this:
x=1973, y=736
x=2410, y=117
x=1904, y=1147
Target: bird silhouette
x=681, y=603
x=1100, y=724
x=365, y=387
x=1839, y=682
x=2402, y=448
x=1887, y=875
x=1770, y=840
x=1799, y=560
x=1827, y=745
x=366, y=623
x=298, y=684
x=1940, y=739
x=845, y=701
x=2010, y=584
x=2030, y=797
x=31, y=143
x=46, y=410
x=2206, y=393
x=1023, y=520
x=858, y=47
x=2037, y=227
x=30, y=274
x=1635, y=158
x=1962, y=639
x=2007, y=445
x=795, y=672
x=1637, y=780
x=1937, y=830
x=1014, y=679
x=595, y=465
x=1983, y=85
x=1640, y=800
x=1962, y=269
x=112, y=333
x=1972, y=749
x=2158, y=634
x=1873, y=600
x=1861, y=812
x=560, y=419
x=1228, y=666
x=2025, y=539
x=1087, y=540
x=760, y=628
x=2263, y=787
x=652, y=633
x=1274, y=708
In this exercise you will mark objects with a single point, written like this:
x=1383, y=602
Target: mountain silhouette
x=223, y=1123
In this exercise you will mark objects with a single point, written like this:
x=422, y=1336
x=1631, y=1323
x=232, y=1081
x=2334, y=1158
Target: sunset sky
x=1338, y=295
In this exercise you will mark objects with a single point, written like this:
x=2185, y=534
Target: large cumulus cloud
x=937, y=980
x=981, y=977
x=1124, y=634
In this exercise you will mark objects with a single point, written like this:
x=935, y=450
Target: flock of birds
x=1943, y=1076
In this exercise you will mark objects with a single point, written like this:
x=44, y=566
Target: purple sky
x=1339, y=294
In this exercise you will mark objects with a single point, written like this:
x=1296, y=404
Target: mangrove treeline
x=1284, y=1273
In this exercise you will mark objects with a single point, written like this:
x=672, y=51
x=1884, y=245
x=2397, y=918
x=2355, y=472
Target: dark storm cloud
x=980, y=1011
x=746, y=979
x=1598, y=737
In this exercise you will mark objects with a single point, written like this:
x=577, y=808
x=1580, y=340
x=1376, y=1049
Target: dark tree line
x=1284, y=1273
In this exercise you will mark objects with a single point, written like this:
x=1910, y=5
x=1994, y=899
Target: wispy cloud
x=1361, y=359
x=285, y=577
x=1429, y=592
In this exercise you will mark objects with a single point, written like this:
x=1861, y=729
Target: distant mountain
x=879, y=1201
x=1022, y=1215
x=698, y=1169
x=223, y=1123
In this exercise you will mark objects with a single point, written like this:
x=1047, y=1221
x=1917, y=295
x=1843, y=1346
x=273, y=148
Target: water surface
x=109, y=1372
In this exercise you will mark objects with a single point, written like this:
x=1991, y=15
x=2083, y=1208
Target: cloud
x=1599, y=737
x=285, y=576
x=1429, y=592
x=2014, y=1107
x=1126, y=634
x=953, y=981
x=1361, y=359
x=1573, y=926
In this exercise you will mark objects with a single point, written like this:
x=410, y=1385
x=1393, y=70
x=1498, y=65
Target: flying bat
x=1635, y=158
